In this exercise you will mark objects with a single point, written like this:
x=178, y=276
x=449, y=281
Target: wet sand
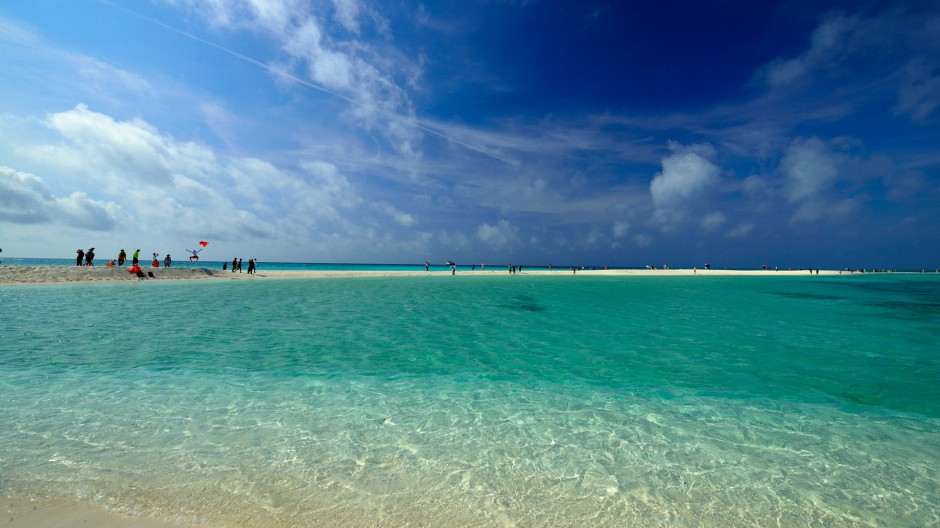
x=21, y=513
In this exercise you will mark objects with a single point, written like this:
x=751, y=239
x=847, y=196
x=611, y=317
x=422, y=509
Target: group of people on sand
x=87, y=258
x=237, y=265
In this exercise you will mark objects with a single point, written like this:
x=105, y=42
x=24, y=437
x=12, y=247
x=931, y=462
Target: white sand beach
x=59, y=274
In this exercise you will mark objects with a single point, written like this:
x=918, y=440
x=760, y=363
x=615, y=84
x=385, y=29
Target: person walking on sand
x=80, y=257
x=251, y=266
x=122, y=258
x=234, y=264
x=136, y=257
x=90, y=257
x=239, y=265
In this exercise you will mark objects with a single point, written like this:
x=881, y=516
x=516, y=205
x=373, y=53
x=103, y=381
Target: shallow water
x=479, y=401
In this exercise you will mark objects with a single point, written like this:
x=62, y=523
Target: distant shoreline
x=98, y=274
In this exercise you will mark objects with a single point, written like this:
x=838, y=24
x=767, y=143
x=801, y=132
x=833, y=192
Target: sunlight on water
x=494, y=401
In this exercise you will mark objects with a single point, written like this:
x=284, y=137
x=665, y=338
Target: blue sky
x=792, y=134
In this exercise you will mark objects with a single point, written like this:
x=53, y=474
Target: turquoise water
x=479, y=401
x=283, y=266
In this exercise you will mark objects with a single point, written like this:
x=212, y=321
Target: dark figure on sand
x=251, y=266
x=80, y=257
x=90, y=257
x=122, y=258
x=234, y=264
x=167, y=261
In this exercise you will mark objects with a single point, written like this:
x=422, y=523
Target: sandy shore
x=19, y=513
x=58, y=274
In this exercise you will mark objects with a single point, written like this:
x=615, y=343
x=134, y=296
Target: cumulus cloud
x=685, y=174
x=812, y=172
x=810, y=167
x=133, y=152
x=26, y=199
x=620, y=229
x=400, y=217
x=141, y=176
x=500, y=236
x=643, y=240
x=713, y=221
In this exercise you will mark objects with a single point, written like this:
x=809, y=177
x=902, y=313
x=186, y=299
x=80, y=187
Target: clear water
x=479, y=401
x=284, y=266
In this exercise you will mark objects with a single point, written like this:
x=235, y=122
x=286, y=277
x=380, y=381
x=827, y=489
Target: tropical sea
x=503, y=400
x=296, y=266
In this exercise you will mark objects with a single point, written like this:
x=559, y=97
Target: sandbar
x=61, y=274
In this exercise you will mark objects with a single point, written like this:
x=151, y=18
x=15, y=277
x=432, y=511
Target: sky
x=598, y=133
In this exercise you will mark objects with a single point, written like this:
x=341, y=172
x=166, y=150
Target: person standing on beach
x=251, y=266
x=239, y=265
x=122, y=258
x=234, y=264
x=80, y=257
x=136, y=257
x=90, y=257
x=167, y=261
x=427, y=266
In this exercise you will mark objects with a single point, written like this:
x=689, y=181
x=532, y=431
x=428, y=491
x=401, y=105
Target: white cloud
x=810, y=167
x=713, y=221
x=347, y=14
x=344, y=63
x=120, y=153
x=686, y=172
x=132, y=174
x=500, y=236
x=919, y=94
x=328, y=189
x=402, y=218
x=833, y=38
x=741, y=230
x=620, y=229
x=26, y=199
x=643, y=240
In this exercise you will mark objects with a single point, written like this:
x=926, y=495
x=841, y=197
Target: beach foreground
x=428, y=400
x=19, y=513
x=57, y=274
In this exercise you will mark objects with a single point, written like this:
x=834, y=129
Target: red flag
x=203, y=243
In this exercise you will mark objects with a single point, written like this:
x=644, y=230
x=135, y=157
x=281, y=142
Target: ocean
x=505, y=400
